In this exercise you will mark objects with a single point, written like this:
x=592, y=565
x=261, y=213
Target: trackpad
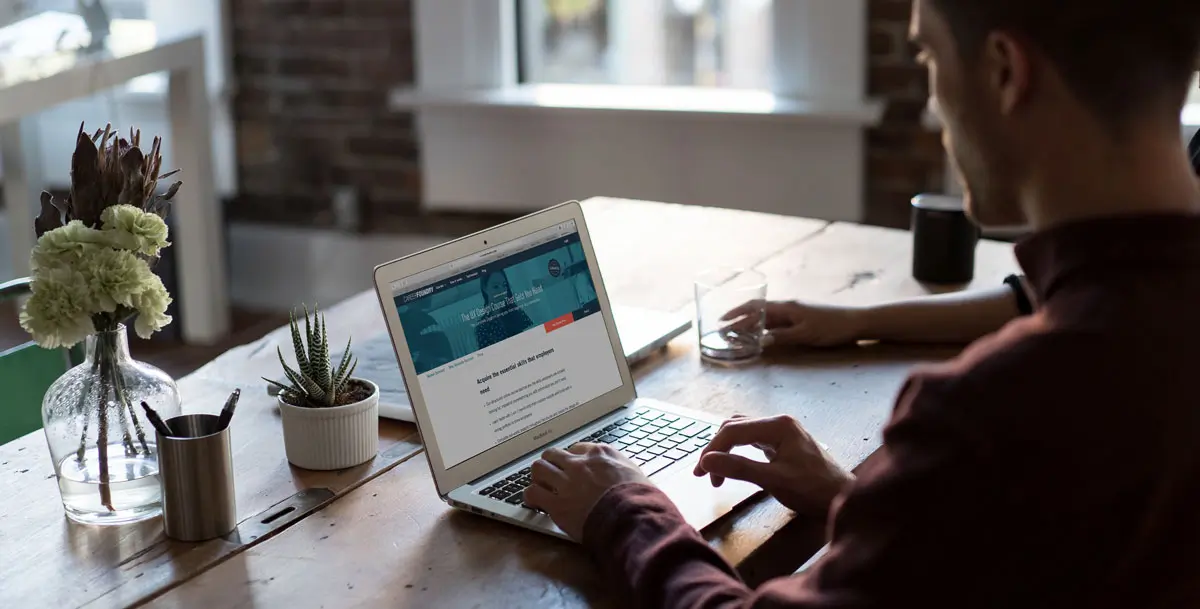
x=700, y=503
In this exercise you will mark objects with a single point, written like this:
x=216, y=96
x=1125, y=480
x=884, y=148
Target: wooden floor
x=175, y=358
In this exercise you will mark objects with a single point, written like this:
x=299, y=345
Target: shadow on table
x=473, y=557
x=110, y=545
x=140, y=550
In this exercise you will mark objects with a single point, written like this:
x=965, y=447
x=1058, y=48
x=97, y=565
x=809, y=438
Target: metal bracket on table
x=282, y=514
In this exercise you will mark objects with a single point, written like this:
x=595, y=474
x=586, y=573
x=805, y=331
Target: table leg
x=198, y=226
x=21, y=153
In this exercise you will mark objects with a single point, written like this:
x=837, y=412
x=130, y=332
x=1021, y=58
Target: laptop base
x=697, y=499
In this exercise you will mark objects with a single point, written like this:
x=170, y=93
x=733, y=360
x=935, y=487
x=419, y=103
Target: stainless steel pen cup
x=195, y=470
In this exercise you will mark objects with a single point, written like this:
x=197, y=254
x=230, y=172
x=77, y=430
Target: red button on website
x=559, y=322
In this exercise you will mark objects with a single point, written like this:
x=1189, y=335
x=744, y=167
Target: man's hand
x=800, y=474
x=567, y=484
x=799, y=324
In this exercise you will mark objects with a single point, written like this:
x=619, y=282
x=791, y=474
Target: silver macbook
x=508, y=347
x=645, y=331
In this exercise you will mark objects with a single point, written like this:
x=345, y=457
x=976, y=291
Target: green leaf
x=298, y=345
x=349, y=375
x=320, y=356
x=342, y=367
x=288, y=393
x=281, y=386
x=279, y=352
x=294, y=377
x=308, y=333
x=303, y=382
x=311, y=389
x=327, y=371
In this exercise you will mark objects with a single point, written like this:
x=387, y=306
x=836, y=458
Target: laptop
x=645, y=331
x=508, y=347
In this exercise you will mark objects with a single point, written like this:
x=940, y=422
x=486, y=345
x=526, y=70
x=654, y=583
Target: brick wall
x=903, y=158
x=311, y=108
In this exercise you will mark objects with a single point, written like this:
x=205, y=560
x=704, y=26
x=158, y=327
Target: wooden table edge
x=149, y=598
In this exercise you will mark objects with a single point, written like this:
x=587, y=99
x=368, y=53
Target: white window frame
x=491, y=143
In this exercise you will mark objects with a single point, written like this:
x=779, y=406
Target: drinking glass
x=730, y=313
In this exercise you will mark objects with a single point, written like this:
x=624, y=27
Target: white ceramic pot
x=332, y=438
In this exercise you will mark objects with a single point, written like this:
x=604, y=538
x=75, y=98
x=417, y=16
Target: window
x=1194, y=98
x=706, y=43
x=116, y=9
x=42, y=35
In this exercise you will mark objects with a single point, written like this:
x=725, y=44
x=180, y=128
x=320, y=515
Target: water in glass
x=730, y=314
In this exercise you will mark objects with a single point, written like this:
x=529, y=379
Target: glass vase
x=103, y=447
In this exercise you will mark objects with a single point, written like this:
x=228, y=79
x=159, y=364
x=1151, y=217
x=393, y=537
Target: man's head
x=1017, y=79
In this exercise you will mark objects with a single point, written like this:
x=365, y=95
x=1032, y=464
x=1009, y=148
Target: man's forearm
x=960, y=317
x=639, y=538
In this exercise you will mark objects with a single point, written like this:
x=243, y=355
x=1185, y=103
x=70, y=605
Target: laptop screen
x=506, y=339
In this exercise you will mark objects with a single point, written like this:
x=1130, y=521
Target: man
x=1054, y=463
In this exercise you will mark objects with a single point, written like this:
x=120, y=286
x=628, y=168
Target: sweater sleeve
x=908, y=512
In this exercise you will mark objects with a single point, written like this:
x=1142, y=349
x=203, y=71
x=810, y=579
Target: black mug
x=944, y=240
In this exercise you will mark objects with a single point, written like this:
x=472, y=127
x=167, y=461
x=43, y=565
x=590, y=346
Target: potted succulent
x=330, y=418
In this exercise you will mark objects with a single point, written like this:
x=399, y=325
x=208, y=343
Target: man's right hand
x=799, y=473
x=805, y=325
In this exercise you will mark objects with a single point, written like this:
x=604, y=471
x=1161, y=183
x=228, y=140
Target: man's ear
x=1006, y=66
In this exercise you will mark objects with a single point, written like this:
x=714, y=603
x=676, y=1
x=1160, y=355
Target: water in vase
x=133, y=487
x=97, y=405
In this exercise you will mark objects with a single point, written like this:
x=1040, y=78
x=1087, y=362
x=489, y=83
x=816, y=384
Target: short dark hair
x=1121, y=57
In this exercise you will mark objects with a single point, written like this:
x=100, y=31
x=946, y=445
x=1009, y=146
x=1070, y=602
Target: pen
x=157, y=421
x=227, y=411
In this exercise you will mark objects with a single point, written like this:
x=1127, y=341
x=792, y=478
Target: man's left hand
x=567, y=484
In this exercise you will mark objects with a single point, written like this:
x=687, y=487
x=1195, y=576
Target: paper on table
x=377, y=362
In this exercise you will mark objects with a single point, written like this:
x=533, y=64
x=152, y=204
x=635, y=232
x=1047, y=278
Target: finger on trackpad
x=699, y=501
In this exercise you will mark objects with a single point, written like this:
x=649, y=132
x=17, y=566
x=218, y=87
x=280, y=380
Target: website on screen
x=505, y=340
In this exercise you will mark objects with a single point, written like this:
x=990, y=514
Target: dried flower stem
x=79, y=454
x=119, y=381
x=102, y=454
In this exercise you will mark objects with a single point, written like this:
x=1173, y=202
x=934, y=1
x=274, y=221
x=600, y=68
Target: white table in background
x=196, y=214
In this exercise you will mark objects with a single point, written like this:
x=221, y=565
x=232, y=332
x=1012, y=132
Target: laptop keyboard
x=653, y=439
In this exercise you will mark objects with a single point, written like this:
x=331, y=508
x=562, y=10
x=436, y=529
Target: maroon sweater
x=1055, y=463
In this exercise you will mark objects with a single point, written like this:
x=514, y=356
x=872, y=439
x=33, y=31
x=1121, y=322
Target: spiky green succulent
x=314, y=382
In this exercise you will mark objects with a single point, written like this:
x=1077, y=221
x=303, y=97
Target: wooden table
x=47, y=559
x=388, y=541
